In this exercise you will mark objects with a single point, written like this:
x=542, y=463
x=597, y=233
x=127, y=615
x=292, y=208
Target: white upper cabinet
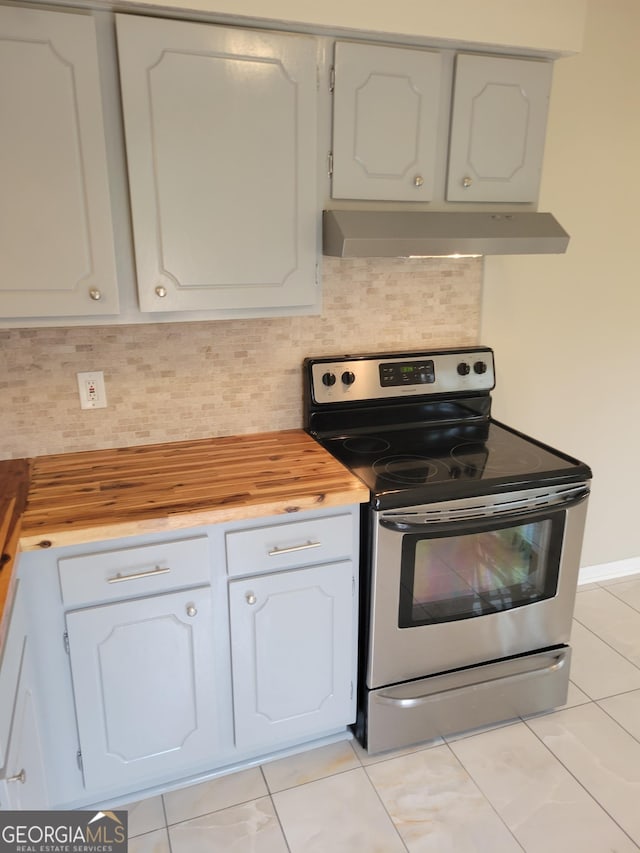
x=56, y=240
x=220, y=127
x=498, y=128
x=386, y=112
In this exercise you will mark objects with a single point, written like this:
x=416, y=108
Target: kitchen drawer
x=132, y=572
x=282, y=546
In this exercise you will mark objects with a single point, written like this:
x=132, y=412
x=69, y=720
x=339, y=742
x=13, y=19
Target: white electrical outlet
x=92, y=391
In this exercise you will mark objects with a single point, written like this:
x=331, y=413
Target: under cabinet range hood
x=417, y=233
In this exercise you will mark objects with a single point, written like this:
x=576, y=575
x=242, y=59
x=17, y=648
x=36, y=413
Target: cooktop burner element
x=366, y=444
x=406, y=469
x=511, y=455
x=418, y=426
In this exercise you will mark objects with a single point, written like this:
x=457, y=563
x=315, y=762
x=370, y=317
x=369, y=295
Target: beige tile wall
x=167, y=382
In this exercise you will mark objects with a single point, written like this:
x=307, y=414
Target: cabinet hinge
x=351, y=694
x=353, y=584
x=79, y=757
x=332, y=78
x=330, y=163
x=65, y=640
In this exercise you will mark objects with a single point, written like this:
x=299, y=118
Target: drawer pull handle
x=137, y=575
x=275, y=552
x=19, y=777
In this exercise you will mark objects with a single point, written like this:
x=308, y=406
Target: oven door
x=464, y=582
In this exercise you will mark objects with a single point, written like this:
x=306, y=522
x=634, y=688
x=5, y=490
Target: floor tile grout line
x=280, y=824
x=216, y=811
x=591, y=795
x=477, y=784
x=606, y=643
x=317, y=779
x=617, y=722
x=386, y=810
x=621, y=600
x=274, y=807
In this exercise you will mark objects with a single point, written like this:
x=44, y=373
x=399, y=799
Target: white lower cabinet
x=24, y=784
x=162, y=658
x=292, y=637
x=143, y=681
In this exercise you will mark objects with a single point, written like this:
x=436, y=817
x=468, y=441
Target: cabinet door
x=292, y=636
x=221, y=138
x=498, y=128
x=386, y=107
x=25, y=781
x=11, y=655
x=143, y=679
x=56, y=239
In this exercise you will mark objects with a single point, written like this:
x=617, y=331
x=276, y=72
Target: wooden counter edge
x=355, y=494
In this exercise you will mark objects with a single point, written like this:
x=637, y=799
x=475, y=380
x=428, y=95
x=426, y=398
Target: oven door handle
x=559, y=660
x=480, y=521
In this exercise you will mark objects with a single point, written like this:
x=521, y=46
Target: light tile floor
x=566, y=781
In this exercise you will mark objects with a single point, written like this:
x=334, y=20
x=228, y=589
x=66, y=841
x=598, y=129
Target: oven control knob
x=480, y=367
x=329, y=379
x=463, y=368
x=348, y=377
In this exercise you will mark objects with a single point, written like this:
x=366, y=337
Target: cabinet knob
x=19, y=777
x=466, y=182
x=95, y=294
x=251, y=598
x=192, y=610
x=418, y=180
x=161, y=291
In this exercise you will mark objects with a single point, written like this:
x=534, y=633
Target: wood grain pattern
x=88, y=496
x=14, y=483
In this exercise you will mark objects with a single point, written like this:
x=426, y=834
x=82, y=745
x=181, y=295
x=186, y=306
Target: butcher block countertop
x=14, y=483
x=105, y=494
x=72, y=498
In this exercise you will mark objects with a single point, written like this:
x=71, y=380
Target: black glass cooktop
x=405, y=467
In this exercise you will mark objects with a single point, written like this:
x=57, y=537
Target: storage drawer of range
x=283, y=546
x=131, y=572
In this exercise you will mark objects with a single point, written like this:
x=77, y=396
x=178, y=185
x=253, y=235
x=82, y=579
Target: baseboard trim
x=609, y=571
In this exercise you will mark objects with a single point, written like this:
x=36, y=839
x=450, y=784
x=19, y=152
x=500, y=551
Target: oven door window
x=474, y=571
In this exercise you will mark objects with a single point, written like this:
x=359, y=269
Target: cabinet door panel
x=385, y=121
x=220, y=127
x=11, y=655
x=25, y=775
x=498, y=129
x=143, y=674
x=291, y=640
x=56, y=238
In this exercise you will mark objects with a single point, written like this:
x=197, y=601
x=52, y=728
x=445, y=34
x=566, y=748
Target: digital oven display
x=407, y=373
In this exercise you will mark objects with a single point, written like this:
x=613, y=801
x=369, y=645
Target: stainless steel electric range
x=470, y=543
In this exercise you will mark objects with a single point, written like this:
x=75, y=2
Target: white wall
x=565, y=329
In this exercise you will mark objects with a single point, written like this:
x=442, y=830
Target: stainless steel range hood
x=418, y=233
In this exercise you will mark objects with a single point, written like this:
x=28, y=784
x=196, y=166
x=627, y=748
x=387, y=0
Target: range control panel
x=407, y=373
x=371, y=377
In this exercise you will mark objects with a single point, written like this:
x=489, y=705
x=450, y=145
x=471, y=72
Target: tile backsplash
x=175, y=381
